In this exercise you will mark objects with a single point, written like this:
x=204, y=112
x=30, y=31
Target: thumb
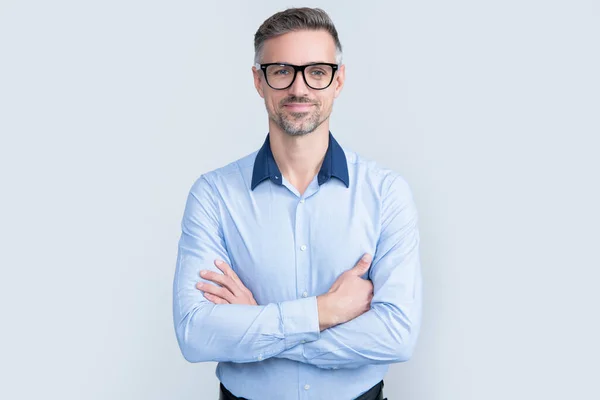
x=363, y=265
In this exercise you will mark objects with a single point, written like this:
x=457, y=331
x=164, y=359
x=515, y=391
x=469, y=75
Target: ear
x=338, y=81
x=258, y=81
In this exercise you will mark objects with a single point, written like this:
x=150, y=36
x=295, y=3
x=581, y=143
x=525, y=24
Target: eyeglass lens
x=318, y=76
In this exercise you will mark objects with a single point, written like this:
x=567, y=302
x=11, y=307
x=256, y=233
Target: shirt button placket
x=302, y=271
x=302, y=254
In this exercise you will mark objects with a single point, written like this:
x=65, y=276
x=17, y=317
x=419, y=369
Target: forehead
x=300, y=47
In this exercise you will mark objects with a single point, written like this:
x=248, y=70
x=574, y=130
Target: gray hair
x=295, y=19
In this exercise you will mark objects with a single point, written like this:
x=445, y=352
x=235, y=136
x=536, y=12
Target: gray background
x=109, y=110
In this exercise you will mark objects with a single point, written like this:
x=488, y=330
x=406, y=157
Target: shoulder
x=386, y=181
x=231, y=174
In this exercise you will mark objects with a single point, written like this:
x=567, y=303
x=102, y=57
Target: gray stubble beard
x=291, y=128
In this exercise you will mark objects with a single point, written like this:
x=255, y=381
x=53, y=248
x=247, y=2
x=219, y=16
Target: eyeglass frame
x=297, y=68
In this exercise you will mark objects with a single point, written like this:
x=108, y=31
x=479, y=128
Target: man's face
x=299, y=110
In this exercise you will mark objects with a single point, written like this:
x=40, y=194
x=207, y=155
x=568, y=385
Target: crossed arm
x=386, y=333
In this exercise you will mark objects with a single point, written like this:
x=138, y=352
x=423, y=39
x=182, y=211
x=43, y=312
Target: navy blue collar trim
x=334, y=164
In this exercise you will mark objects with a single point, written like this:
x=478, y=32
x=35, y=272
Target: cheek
x=272, y=102
x=326, y=102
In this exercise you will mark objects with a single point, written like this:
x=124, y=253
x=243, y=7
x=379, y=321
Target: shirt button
x=305, y=294
x=303, y=341
x=303, y=247
x=306, y=387
x=302, y=201
x=260, y=357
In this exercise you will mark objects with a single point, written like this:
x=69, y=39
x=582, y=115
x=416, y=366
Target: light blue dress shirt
x=287, y=249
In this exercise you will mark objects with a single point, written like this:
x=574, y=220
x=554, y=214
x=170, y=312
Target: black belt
x=375, y=393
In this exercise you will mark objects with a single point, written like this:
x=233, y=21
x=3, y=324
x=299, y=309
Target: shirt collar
x=334, y=164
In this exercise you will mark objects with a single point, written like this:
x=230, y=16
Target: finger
x=363, y=265
x=221, y=279
x=216, y=290
x=227, y=270
x=215, y=299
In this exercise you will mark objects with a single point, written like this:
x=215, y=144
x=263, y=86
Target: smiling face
x=299, y=110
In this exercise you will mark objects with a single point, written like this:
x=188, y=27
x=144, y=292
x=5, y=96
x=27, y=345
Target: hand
x=349, y=296
x=231, y=291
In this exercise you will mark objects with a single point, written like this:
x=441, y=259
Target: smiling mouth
x=298, y=107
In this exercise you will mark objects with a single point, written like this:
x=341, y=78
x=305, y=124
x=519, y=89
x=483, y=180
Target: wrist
x=326, y=319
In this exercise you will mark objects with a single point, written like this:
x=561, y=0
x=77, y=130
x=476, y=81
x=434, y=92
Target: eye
x=281, y=71
x=318, y=72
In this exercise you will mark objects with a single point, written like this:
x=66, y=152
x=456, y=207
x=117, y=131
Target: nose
x=299, y=87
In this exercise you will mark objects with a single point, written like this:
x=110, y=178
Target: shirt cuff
x=300, y=321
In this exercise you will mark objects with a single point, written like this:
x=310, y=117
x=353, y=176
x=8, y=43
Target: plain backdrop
x=109, y=111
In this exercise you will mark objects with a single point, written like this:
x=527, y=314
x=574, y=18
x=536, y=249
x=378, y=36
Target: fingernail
x=200, y=284
x=366, y=258
x=202, y=273
x=219, y=262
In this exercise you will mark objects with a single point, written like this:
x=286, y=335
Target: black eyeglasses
x=281, y=76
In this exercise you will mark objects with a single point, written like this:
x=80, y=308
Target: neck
x=299, y=158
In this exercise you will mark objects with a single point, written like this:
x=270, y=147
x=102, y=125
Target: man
x=270, y=279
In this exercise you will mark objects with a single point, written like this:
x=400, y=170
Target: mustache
x=294, y=99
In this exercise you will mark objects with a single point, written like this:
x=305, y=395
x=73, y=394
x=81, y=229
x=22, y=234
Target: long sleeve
x=236, y=333
x=387, y=333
